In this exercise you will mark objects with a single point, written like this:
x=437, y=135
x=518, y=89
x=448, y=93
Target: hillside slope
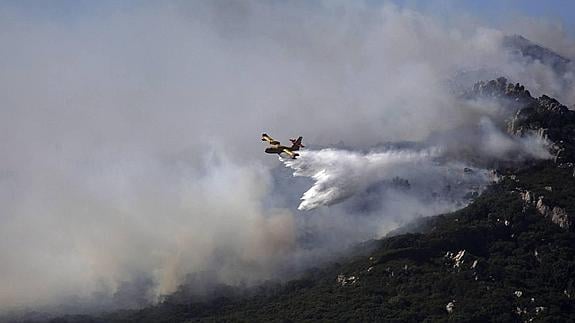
x=496, y=260
x=508, y=256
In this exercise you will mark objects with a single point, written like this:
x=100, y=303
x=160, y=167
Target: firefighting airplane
x=276, y=148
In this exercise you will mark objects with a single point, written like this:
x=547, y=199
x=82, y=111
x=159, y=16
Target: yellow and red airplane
x=277, y=148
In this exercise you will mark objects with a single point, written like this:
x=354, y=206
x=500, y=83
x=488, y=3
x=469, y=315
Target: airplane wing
x=290, y=153
x=269, y=139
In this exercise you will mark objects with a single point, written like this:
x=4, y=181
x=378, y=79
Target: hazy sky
x=493, y=11
x=498, y=11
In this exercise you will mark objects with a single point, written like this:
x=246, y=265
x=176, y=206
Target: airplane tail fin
x=296, y=143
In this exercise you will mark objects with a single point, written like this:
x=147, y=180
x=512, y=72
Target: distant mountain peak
x=524, y=47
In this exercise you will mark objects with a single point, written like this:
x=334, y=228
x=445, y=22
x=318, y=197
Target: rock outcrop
x=556, y=214
x=550, y=120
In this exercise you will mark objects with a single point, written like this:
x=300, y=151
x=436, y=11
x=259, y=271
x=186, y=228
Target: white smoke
x=494, y=143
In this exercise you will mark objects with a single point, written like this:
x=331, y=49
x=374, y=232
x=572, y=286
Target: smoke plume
x=131, y=152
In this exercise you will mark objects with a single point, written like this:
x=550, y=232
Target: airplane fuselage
x=276, y=148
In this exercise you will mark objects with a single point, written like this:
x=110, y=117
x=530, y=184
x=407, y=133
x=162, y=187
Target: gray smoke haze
x=131, y=148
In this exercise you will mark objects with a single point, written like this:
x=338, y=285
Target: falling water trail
x=341, y=174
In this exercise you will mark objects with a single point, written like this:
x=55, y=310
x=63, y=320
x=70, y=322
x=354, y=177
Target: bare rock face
x=527, y=197
x=544, y=117
x=560, y=217
x=450, y=307
x=541, y=207
x=549, y=120
x=513, y=97
x=557, y=215
x=499, y=88
x=342, y=280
